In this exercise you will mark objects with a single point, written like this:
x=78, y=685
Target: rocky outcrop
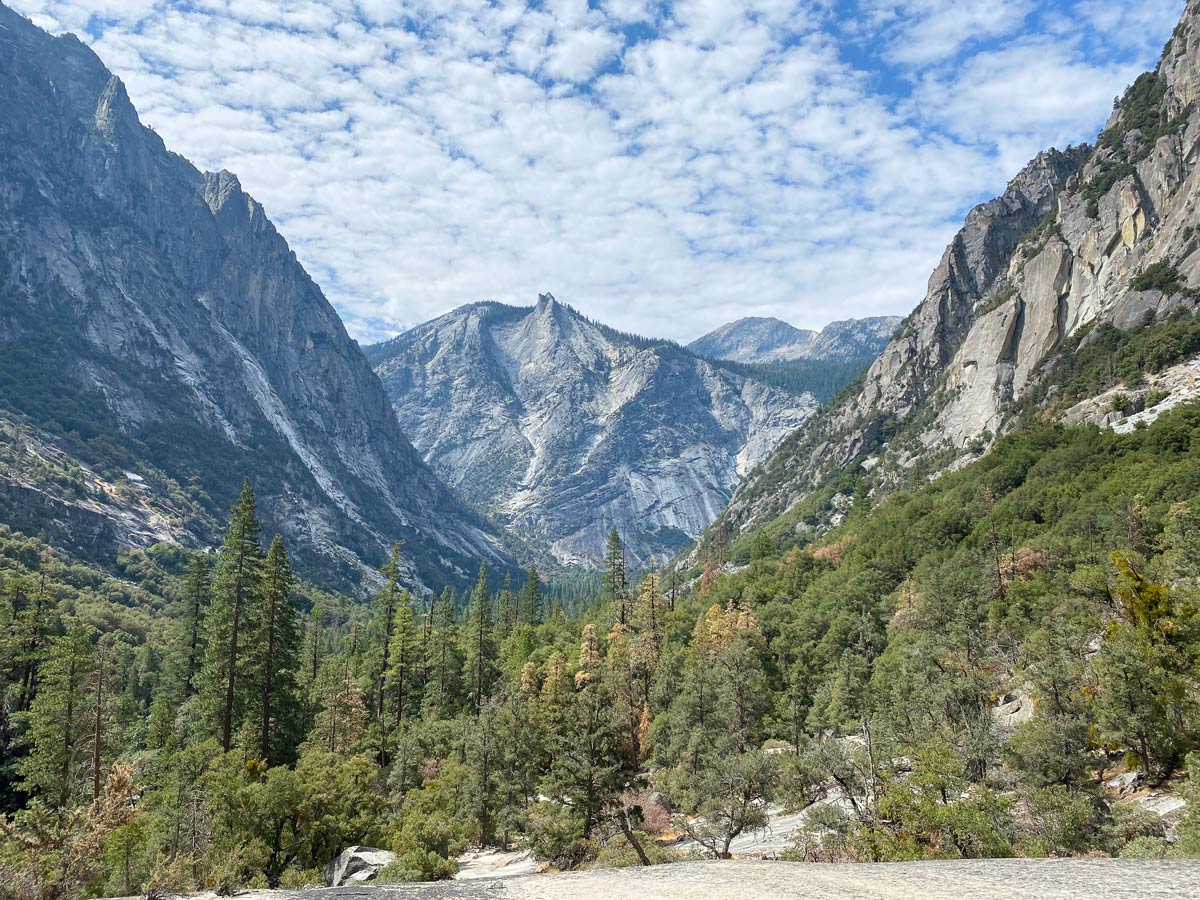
x=762, y=340
x=177, y=331
x=562, y=428
x=356, y=865
x=1069, y=245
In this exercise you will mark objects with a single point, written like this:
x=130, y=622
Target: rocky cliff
x=756, y=339
x=562, y=428
x=1081, y=241
x=156, y=325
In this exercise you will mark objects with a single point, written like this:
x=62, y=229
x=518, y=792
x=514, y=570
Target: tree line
x=974, y=668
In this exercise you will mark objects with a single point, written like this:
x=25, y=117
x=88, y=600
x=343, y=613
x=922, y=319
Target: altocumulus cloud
x=666, y=167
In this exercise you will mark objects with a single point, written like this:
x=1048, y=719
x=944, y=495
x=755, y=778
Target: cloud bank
x=665, y=167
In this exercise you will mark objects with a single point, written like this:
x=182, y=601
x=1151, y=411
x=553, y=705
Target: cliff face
x=764, y=340
x=562, y=428
x=1080, y=238
x=182, y=338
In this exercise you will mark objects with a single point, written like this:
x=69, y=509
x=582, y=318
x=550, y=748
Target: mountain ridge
x=1082, y=240
x=765, y=339
x=183, y=339
x=558, y=426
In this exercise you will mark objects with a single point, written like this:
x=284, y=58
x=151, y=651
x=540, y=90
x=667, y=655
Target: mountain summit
x=562, y=428
x=756, y=339
x=159, y=335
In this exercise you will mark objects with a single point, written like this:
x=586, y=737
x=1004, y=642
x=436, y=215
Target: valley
x=900, y=608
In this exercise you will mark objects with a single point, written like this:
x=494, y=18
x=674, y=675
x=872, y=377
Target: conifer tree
x=236, y=594
x=479, y=642
x=615, y=588
x=508, y=613
x=443, y=660
x=197, y=595
x=403, y=676
x=277, y=648
x=98, y=711
x=58, y=723
x=342, y=719
x=387, y=600
x=531, y=598
x=32, y=627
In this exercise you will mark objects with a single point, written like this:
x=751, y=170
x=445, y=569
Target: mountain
x=1072, y=296
x=757, y=339
x=561, y=428
x=159, y=341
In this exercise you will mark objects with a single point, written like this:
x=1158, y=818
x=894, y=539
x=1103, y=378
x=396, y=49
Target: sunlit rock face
x=561, y=428
x=1058, y=253
x=185, y=338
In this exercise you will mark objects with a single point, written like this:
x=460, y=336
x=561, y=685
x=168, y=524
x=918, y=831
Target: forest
x=205, y=720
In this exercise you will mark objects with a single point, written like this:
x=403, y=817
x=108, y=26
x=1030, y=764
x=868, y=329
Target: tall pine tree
x=228, y=696
x=277, y=647
x=479, y=643
x=615, y=589
x=531, y=598
x=197, y=596
x=404, y=665
x=57, y=732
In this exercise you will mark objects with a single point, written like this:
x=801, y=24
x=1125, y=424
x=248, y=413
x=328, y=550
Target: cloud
x=664, y=167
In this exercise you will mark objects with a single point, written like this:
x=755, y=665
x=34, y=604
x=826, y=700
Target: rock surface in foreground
x=989, y=879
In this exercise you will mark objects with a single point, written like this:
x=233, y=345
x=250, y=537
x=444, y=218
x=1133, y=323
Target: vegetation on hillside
x=822, y=378
x=147, y=748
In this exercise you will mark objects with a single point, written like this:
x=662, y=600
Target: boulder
x=355, y=865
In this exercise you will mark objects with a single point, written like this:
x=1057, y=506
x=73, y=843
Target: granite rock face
x=356, y=865
x=1059, y=252
x=562, y=428
x=181, y=334
x=762, y=340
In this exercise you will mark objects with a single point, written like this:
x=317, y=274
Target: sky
x=663, y=167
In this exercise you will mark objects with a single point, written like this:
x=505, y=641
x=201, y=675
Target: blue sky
x=665, y=167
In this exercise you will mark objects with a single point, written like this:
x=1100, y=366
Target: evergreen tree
x=277, y=646
x=404, y=672
x=228, y=696
x=479, y=642
x=32, y=627
x=58, y=725
x=508, y=612
x=197, y=596
x=387, y=600
x=615, y=588
x=443, y=659
x=100, y=704
x=531, y=598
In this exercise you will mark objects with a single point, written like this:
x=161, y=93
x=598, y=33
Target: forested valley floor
x=204, y=720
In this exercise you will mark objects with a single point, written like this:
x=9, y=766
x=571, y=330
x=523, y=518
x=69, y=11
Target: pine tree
x=615, y=588
x=403, y=676
x=32, y=625
x=342, y=719
x=479, y=642
x=58, y=724
x=442, y=659
x=531, y=598
x=508, y=612
x=197, y=596
x=386, y=601
x=277, y=659
x=99, y=689
x=236, y=594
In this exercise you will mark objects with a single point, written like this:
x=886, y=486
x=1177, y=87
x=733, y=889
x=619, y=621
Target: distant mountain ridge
x=159, y=335
x=757, y=339
x=561, y=428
